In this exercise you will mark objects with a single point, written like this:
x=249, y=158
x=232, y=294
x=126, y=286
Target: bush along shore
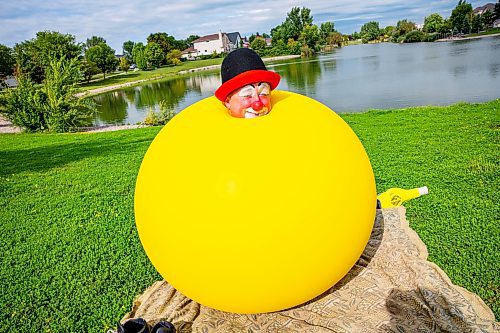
x=72, y=259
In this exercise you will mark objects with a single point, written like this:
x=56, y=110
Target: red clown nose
x=257, y=105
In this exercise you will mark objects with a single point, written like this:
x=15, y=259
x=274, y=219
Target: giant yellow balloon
x=255, y=215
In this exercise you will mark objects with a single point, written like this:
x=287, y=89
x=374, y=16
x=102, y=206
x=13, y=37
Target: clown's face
x=250, y=101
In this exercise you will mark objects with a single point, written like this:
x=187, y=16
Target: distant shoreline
x=101, y=90
x=452, y=39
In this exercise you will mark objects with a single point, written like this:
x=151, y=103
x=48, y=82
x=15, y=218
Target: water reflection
x=301, y=75
x=112, y=108
x=350, y=79
x=494, y=69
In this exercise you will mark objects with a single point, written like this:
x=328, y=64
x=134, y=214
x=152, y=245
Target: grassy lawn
x=72, y=260
x=162, y=72
x=484, y=33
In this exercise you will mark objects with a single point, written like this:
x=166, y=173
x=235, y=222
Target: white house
x=207, y=45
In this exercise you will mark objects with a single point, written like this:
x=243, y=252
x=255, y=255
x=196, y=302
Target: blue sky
x=119, y=21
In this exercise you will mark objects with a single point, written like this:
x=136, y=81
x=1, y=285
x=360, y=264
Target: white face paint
x=250, y=91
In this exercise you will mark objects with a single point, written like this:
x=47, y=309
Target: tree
x=7, y=61
x=389, y=30
x=369, y=31
x=33, y=56
x=154, y=55
x=93, y=41
x=324, y=31
x=166, y=42
x=258, y=44
x=309, y=36
x=127, y=47
x=402, y=28
x=293, y=25
x=124, y=64
x=103, y=56
x=461, y=17
x=335, y=38
x=477, y=23
x=433, y=23
x=139, y=55
x=252, y=38
x=174, y=57
x=88, y=69
x=190, y=39
x=496, y=11
x=487, y=19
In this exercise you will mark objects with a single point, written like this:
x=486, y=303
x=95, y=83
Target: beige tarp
x=392, y=288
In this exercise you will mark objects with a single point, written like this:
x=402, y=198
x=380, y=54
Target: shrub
x=51, y=106
x=162, y=117
x=23, y=106
x=430, y=37
x=414, y=36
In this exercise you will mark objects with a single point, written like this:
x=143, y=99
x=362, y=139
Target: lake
x=349, y=79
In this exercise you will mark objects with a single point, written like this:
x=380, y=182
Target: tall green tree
x=127, y=48
x=88, y=69
x=293, y=25
x=33, y=56
x=487, y=19
x=461, y=17
x=496, y=11
x=324, y=31
x=477, y=23
x=139, y=55
x=309, y=36
x=403, y=27
x=103, y=56
x=166, y=42
x=154, y=55
x=7, y=61
x=370, y=31
x=433, y=23
x=93, y=41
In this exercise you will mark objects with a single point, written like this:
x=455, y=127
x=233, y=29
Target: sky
x=119, y=21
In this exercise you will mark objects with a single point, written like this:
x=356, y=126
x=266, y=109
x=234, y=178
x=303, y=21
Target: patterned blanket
x=392, y=288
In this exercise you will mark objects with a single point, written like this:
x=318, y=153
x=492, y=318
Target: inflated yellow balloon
x=255, y=215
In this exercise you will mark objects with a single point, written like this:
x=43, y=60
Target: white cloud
x=135, y=20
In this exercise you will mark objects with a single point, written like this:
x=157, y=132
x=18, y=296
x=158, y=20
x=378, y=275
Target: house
x=189, y=53
x=235, y=40
x=481, y=10
x=218, y=43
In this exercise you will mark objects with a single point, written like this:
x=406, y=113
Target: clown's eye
x=264, y=89
x=246, y=92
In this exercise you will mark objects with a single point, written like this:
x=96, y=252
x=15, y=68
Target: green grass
x=72, y=261
x=159, y=73
x=485, y=33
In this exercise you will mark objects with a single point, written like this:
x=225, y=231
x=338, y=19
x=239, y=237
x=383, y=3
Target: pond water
x=350, y=79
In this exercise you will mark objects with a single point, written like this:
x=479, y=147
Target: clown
x=246, y=84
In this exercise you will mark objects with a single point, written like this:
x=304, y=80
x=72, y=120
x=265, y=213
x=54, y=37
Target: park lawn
x=72, y=261
x=162, y=72
x=485, y=33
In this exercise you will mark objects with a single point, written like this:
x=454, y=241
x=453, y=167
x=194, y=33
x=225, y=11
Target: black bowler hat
x=241, y=67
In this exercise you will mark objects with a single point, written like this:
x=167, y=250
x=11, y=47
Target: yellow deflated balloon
x=255, y=215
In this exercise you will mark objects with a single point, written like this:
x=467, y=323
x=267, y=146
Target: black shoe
x=134, y=325
x=163, y=327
